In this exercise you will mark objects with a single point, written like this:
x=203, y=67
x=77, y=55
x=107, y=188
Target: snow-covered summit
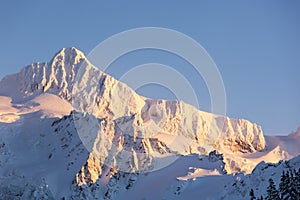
x=68, y=55
x=56, y=76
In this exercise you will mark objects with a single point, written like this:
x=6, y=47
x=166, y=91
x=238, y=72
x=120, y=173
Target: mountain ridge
x=105, y=137
x=69, y=70
x=60, y=66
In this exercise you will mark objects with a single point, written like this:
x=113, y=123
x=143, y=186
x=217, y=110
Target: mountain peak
x=296, y=133
x=56, y=76
x=68, y=55
x=70, y=51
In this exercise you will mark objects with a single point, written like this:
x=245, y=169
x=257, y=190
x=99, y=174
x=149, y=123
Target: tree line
x=289, y=187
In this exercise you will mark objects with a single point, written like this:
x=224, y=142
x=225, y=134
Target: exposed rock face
x=238, y=133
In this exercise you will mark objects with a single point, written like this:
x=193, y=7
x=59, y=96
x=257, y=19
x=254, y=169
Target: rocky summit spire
x=56, y=76
x=67, y=57
x=61, y=71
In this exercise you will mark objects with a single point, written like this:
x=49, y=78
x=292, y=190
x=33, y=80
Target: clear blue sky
x=255, y=45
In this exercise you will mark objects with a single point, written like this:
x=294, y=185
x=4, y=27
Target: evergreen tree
x=272, y=192
x=289, y=182
x=252, y=196
x=298, y=182
x=293, y=193
x=283, y=186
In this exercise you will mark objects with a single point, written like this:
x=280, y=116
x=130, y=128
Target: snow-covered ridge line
x=70, y=76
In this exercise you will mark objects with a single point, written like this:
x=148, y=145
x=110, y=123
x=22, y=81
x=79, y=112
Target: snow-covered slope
x=116, y=138
x=258, y=179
